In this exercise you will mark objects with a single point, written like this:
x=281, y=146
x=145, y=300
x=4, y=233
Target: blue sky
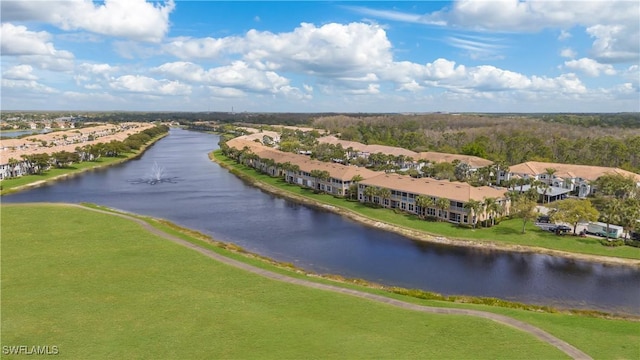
x=355, y=56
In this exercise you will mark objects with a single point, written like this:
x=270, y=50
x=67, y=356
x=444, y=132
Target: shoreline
x=426, y=237
x=75, y=173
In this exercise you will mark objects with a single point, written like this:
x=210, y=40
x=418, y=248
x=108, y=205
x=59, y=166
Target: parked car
x=560, y=229
x=543, y=219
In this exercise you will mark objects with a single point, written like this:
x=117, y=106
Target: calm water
x=207, y=198
x=17, y=133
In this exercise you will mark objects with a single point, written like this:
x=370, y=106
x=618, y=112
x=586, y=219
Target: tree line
x=41, y=162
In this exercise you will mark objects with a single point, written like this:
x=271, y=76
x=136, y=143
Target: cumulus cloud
x=238, y=75
x=19, y=72
x=133, y=19
x=28, y=85
x=18, y=40
x=614, y=43
x=568, y=53
x=335, y=49
x=590, y=67
x=564, y=35
x=33, y=48
x=150, y=86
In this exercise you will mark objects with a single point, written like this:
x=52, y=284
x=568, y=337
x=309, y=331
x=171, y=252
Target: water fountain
x=157, y=177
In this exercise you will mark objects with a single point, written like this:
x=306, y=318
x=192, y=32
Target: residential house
x=405, y=190
x=577, y=179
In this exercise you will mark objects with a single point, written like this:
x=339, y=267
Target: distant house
x=474, y=162
x=362, y=150
x=578, y=179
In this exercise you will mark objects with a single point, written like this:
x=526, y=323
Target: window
x=386, y=202
x=410, y=207
x=403, y=206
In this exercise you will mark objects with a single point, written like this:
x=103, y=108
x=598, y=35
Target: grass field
x=97, y=286
x=508, y=231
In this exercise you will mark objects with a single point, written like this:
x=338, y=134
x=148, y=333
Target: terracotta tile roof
x=337, y=171
x=457, y=191
x=437, y=157
x=565, y=171
x=371, y=149
x=25, y=146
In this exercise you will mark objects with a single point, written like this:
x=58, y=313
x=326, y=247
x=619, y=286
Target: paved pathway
x=505, y=320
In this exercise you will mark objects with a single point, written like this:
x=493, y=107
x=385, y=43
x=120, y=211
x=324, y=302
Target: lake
x=206, y=197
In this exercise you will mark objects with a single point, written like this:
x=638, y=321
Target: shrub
x=611, y=243
x=634, y=243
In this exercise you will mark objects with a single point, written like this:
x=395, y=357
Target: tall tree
x=574, y=211
x=474, y=207
x=524, y=209
x=423, y=203
x=442, y=204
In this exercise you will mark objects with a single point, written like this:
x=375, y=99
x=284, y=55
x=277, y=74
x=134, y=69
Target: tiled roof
x=572, y=171
x=24, y=146
x=457, y=191
x=437, y=157
x=337, y=171
x=371, y=149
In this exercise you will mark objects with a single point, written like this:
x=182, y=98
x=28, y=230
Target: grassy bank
x=98, y=286
x=507, y=233
x=8, y=186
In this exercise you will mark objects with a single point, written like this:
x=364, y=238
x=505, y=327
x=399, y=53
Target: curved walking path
x=505, y=320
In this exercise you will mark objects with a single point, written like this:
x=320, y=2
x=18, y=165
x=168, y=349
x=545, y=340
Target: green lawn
x=97, y=286
x=508, y=231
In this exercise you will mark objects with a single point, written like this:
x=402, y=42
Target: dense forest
x=510, y=139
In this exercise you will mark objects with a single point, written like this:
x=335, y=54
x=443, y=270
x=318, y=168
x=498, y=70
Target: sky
x=312, y=56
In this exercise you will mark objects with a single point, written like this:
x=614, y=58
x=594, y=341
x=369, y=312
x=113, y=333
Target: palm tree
x=369, y=193
x=356, y=178
x=384, y=194
x=494, y=208
x=442, y=204
x=474, y=207
x=549, y=172
x=424, y=202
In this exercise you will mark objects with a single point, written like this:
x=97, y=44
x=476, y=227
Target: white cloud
x=568, y=53
x=614, y=43
x=18, y=40
x=238, y=75
x=590, y=67
x=226, y=92
x=371, y=89
x=203, y=48
x=564, y=35
x=33, y=48
x=132, y=19
x=150, y=86
x=31, y=86
x=331, y=49
x=19, y=72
